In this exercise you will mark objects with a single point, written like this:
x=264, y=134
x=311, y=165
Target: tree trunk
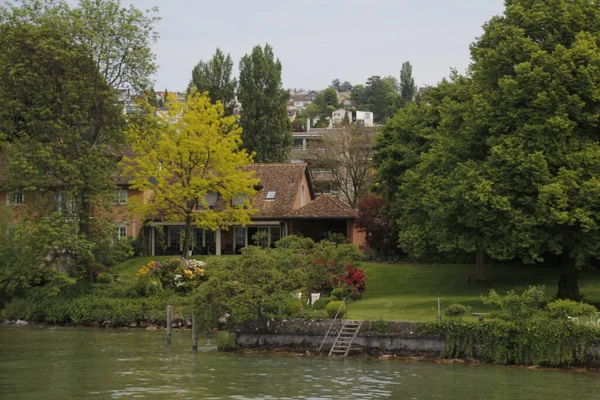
x=568, y=282
x=188, y=235
x=480, y=257
x=84, y=214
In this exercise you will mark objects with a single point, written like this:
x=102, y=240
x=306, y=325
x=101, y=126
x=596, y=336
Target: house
x=285, y=201
x=300, y=100
x=286, y=205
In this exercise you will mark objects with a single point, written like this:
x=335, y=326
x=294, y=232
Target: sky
x=320, y=40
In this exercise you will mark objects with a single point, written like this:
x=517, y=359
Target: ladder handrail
x=332, y=322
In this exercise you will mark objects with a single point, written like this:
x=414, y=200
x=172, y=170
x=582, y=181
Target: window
x=298, y=143
x=120, y=196
x=240, y=200
x=240, y=237
x=271, y=195
x=211, y=201
x=121, y=231
x=15, y=199
x=63, y=202
x=302, y=197
x=174, y=237
x=275, y=235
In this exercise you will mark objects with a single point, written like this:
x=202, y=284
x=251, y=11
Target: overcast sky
x=319, y=40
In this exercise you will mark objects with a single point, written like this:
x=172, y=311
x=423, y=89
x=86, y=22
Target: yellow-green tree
x=186, y=154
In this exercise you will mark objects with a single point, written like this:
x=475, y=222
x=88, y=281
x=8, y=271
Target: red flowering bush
x=353, y=280
x=341, y=275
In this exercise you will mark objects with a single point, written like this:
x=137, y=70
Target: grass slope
x=409, y=292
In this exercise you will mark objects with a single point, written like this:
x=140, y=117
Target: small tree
x=347, y=153
x=193, y=153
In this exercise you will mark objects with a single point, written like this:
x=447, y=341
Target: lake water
x=68, y=363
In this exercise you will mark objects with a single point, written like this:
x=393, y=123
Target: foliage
x=346, y=151
x=324, y=104
x=353, y=280
x=87, y=309
x=321, y=303
x=180, y=274
x=373, y=221
x=194, y=153
x=60, y=71
x=379, y=95
x=561, y=308
x=518, y=308
x=341, y=86
x=456, y=311
x=104, y=278
x=215, y=78
x=31, y=250
x=226, y=341
x=553, y=343
x=111, y=252
x=266, y=126
x=508, y=165
x=242, y=286
x=408, y=90
x=338, y=293
x=333, y=307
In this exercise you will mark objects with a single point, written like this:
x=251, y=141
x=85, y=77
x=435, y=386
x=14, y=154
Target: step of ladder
x=345, y=338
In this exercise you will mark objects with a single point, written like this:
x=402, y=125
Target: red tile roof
x=325, y=206
x=285, y=180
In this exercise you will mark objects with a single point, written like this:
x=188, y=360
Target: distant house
x=364, y=118
x=300, y=100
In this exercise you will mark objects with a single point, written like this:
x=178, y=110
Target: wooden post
x=194, y=333
x=169, y=322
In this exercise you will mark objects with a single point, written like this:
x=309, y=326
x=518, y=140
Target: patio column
x=152, y=241
x=218, y=241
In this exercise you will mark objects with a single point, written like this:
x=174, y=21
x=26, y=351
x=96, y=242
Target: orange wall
x=120, y=213
x=307, y=199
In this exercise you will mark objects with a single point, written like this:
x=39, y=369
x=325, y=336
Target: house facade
x=285, y=204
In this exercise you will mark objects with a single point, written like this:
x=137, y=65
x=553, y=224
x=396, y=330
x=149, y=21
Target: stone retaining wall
x=374, y=338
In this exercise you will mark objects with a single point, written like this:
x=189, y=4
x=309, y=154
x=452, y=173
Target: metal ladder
x=345, y=338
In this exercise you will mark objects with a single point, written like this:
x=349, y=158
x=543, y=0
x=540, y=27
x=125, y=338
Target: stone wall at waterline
x=374, y=337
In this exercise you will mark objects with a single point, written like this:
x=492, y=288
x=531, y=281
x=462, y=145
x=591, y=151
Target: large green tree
x=215, y=78
x=537, y=99
x=266, y=127
x=516, y=173
x=59, y=83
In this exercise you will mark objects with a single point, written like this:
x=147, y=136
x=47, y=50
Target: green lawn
x=409, y=292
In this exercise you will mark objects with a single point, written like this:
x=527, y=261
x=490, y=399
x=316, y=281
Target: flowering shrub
x=153, y=268
x=178, y=273
x=342, y=275
x=353, y=279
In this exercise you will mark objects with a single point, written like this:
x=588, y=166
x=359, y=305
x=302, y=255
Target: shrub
x=226, y=341
x=104, y=278
x=333, y=307
x=564, y=308
x=338, y=293
x=516, y=307
x=456, y=311
x=321, y=303
x=293, y=307
x=181, y=274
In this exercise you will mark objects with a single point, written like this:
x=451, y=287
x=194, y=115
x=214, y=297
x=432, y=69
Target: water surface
x=69, y=363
